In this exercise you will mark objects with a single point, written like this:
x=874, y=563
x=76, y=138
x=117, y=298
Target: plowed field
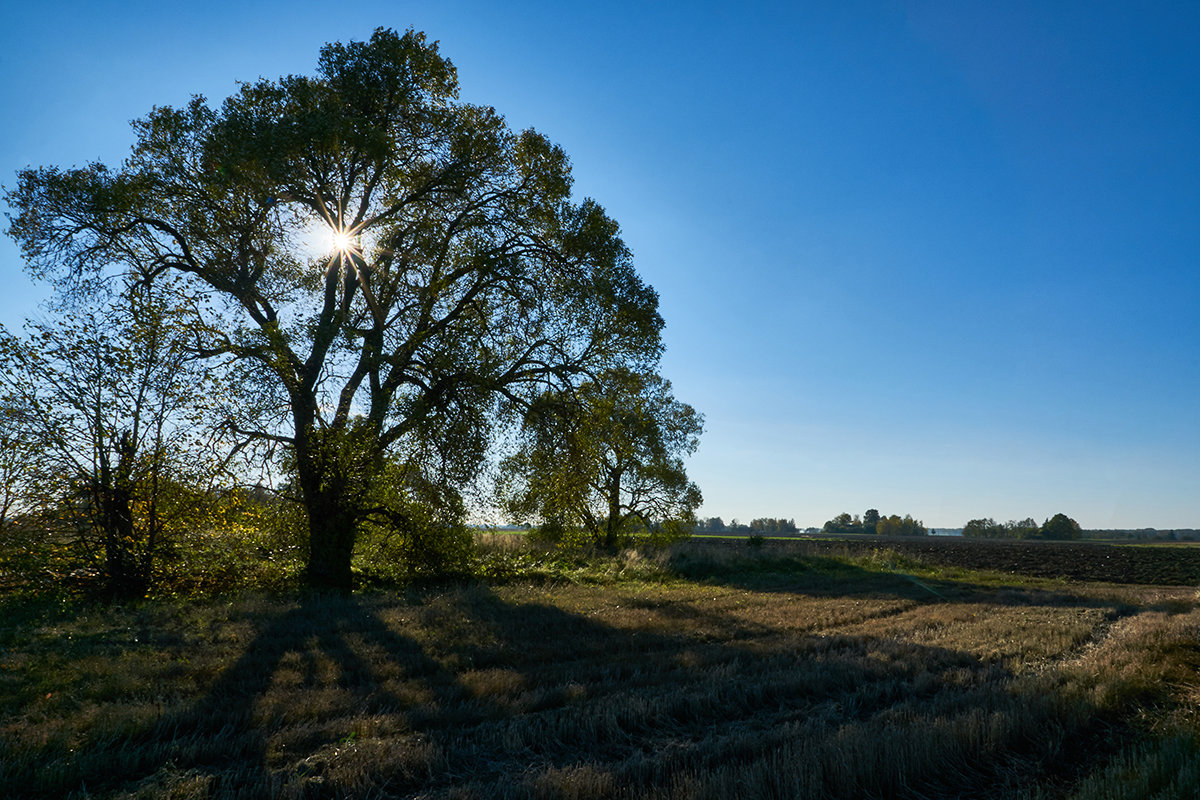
x=1082, y=561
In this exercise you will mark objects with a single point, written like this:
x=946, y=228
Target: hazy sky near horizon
x=938, y=258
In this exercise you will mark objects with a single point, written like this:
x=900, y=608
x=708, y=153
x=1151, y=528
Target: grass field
x=707, y=671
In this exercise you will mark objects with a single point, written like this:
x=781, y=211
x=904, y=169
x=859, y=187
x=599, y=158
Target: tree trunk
x=335, y=470
x=125, y=574
x=331, y=530
x=614, y=512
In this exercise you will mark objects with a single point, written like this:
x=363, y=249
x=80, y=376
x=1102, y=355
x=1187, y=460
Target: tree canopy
x=895, y=526
x=460, y=281
x=607, y=459
x=1060, y=526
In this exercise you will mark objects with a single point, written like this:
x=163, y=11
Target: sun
x=323, y=240
x=342, y=241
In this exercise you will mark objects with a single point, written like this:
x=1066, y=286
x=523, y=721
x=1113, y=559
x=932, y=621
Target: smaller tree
x=606, y=460
x=842, y=523
x=1060, y=526
x=895, y=526
x=18, y=454
x=109, y=397
x=24, y=549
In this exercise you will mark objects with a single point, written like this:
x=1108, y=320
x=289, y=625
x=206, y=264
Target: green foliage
x=843, y=523
x=39, y=560
x=235, y=539
x=215, y=542
x=605, y=462
x=468, y=283
x=873, y=522
x=407, y=523
x=1059, y=527
x=1022, y=529
x=772, y=525
x=889, y=560
x=106, y=401
x=895, y=526
x=18, y=457
x=415, y=529
x=984, y=528
x=534, y=562
x=870, y=519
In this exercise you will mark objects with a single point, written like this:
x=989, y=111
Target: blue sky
x=938, y=258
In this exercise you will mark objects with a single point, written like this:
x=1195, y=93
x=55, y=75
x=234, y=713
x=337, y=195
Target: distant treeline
x=1147, y=534
x=762, y=525
x=1060, y=526
x=873, y=522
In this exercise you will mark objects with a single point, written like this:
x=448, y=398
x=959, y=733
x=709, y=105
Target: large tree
x=461, y=282
x=606, y=459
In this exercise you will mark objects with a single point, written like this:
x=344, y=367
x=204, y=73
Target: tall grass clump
x=1166, y=768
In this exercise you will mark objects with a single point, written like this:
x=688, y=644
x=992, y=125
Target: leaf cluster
x=606, y=461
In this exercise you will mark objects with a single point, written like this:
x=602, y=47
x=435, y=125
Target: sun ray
x=343, y=242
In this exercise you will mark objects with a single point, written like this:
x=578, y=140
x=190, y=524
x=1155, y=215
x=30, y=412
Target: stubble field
x=705, y=671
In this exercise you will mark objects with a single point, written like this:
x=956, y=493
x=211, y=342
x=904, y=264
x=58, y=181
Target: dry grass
x=717, y=673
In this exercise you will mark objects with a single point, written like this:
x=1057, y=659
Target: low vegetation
x=702, y=670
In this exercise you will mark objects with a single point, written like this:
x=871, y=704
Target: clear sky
x=938, y=258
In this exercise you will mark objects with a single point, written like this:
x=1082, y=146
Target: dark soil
x=1080, y=561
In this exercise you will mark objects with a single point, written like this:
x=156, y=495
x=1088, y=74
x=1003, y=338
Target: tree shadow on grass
x=470, y=693
x=656, y=712
x=335, y=649
x=330, y=637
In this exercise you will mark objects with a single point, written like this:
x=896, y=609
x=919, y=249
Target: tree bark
x=335, y=469
x=332, y=529
x=614, y=511
x=126, y=575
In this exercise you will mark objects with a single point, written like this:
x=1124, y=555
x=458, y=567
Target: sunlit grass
x=681, y=673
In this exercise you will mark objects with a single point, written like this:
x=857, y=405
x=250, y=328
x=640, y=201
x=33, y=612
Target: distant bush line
x=1059, y=527
x=873, y=522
